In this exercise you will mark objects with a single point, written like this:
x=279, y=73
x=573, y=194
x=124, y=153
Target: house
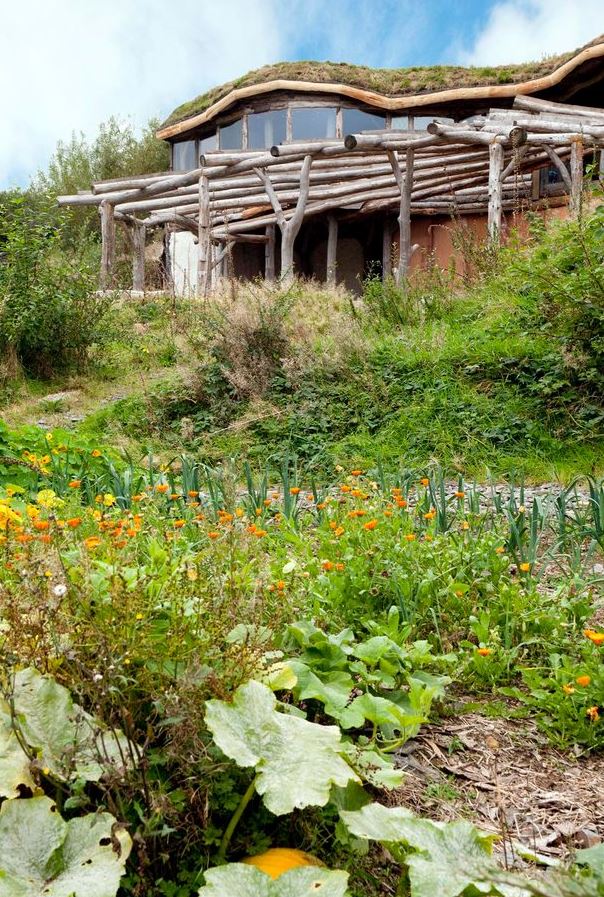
x=381, y=146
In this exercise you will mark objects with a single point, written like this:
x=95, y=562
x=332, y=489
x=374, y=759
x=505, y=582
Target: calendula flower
x=327, y=565
x=409, y=537
x=74, y=484
x=280, y=585
x=213, y=534
x=500, y=549
x=596, y=637
x=568, y=689
x=178, y=524
x=339, y=567
x=484, y=652
x=593, y=714
x=295, y=490
x=524, y=567
x=40, y=525
x=339, y=531
x=425, y=481
x=460, y=494
x=356, y=473
x=92, y=542
x=96, y=453
x=162, y=488
x=193, y=493
x=109, y=500
x=48, y=498
x=371, y=524
x=260, y=533
x=583, y=681
x=321, y=506
x=430, y=515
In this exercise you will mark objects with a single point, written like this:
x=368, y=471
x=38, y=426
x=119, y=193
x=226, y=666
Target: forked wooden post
x=387, y=249
x=332, y=250
x=576, y=175
x=269, y=254
x=495, y=190
x=108, y=244
x=204, y=235
x=405, y=185
x=139, y=233
x=289, y=227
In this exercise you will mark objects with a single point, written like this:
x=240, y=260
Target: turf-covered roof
x=403, y=82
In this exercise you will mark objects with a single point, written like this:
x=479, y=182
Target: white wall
x=183, y=261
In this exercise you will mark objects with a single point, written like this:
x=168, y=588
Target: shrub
x=49, y=314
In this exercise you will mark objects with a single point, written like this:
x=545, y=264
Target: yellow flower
x=139, y=616
x=484, y=652
x=525, y=567
x=95, y=453
x=596, y=637
x=593, y=714
x=48, y=498
x=568, y=689
x=108, y=499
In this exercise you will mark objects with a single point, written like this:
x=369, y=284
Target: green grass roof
x=389, y=82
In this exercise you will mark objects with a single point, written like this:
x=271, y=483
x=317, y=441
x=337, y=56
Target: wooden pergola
x=483, y=165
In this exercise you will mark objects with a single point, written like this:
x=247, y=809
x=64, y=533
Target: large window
x=231, y=136
x=355, y=120
x=313, y=123
x=400, y=122
x=265, y=129
x=208, y=144
x=184, y=155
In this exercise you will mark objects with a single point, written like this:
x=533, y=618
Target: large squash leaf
x=241, y=880
x=41, y=855
x=296, y=762
x=14, y=762
x=443, y=858
x=67, y=740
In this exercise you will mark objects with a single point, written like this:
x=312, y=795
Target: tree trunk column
x=332, y=250
x=108, y=245
x=138, y=258
x=269, y=254
x=576, y=175
x=204, y=263
x=495, y=191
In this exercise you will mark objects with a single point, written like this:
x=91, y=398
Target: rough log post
x=204, y=231
x=387, y=249
x=562, y=169
x=108, y=244
x=269, y=254
x=138, y=257
x=405, y=185
x=495, y=191
x=576, y=175
x=289, y=228
x=332, y=250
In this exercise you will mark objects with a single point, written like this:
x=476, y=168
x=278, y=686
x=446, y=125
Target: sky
x=68, y=65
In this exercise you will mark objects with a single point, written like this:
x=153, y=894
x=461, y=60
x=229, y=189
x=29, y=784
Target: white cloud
x=68, y=65
x=528, y=30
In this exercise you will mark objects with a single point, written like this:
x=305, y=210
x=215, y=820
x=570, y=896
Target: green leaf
x=373, y=767
x=70, y=742
x=41, y=854
x=592, y=857
x=443, y=858
x=14, y=762
x=333, y=689
x=241, y=880
x=296, y=761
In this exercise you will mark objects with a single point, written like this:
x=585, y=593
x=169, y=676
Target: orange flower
x=321, y=506
x=410, y=537
x=371, y=524
x=213, y=534
x=178, y=524
x=24, y=538
x=525, y=567
x=430, y=515
x=46, y=538
x=356, y=473
x=267, y=502
x=175, y=496
x=500, y=549
x=40, y=525
x=193, y=493
x=74, y=521
x=387, y=513
x=260, y=533
x=280, y=585
x=327, y=565
x=596, y=637
x=75, y=484
x=345, y=488
x=162, y=488
x=295, y=490
x=583, y=681
x=95, y=453
x=339, y=567
x=239, y=512
x=425, y=481
x=92, y=542
x=484, y=652
x=401, y=502
x=465, y=525
x=593, y=714
x=460, y=494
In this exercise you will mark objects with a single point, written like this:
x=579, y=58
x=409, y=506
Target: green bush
x=49, y=314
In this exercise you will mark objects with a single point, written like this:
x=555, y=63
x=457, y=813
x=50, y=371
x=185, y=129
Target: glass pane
x=184, y=156
x=400, y=122
x=208, y=144
x=265, y=129
x=310, y=123
x=355, y=120
x=231, y=136
x=421, y=122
